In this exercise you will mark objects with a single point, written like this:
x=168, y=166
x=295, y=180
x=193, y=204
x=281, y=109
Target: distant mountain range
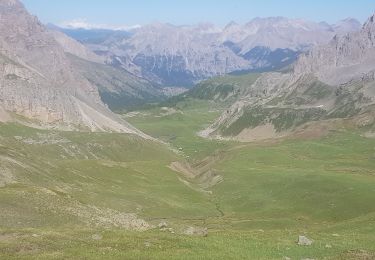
x=332, y=82
x=183, y=55
x=72, y=78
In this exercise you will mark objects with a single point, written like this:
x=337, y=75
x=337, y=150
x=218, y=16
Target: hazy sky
x=119, y=13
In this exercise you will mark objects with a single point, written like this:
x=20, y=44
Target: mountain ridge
x=183, y=55
x=39, y=84
x=332, y=81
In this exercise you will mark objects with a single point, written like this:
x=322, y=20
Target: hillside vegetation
x=94, y=195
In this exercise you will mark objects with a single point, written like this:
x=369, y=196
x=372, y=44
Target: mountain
x=118, y=89
x=332, y=81
x=39, y=85
x=75, y=48
x=347, y=25
x=183, y=55
x=277, y=32
x=349, y=57
x=172, y=55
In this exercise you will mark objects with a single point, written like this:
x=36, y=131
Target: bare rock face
x=196, y=231
x=75, y=48
x=37, y=81
x=345, y=58
x=304, y=241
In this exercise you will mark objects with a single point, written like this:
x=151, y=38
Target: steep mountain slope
x=182, y=55
x=346, y=58
x=39, y=83
x=118, y=89
x=331, y=81
x=75, y=48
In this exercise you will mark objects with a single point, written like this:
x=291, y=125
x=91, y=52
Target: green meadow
x=66, y=195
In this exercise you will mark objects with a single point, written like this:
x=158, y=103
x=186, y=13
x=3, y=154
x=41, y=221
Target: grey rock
x=97, y=237
x=75, y=48
x=304, y=241
x=163, y=225
x=344, y=58
x=196, y=231
x=38, y=82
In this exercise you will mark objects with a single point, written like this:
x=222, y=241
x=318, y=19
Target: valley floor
x=84, y=196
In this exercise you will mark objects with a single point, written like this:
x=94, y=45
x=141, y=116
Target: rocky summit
x=38, y=84
x=344, y=58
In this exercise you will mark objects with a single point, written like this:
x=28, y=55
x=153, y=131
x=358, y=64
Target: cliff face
x=345, y=58
x=37, y=81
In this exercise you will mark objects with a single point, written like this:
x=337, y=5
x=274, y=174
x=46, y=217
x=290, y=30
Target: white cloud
x=82, y=23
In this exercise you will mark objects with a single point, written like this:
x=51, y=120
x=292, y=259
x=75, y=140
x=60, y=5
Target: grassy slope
x=223, y=87
x=318, y=187
x=101, y=170
x=300, y=182
x=271, y=193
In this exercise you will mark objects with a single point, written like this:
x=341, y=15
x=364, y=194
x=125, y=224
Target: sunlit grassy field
x=270, y=193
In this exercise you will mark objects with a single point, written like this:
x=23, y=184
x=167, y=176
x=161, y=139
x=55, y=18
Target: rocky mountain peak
x=11, y=3
x=182, y=55
x=230, y=25
x=38, y=82
x=347, y=25
x=370, y=23
x=346, y=57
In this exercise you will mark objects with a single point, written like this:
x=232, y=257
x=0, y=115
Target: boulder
x=163, y=225
x=304, y=241
x=196, y=231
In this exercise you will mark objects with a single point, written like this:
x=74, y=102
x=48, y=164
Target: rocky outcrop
x=196, y=231
x=38, y=83
x=304, y=241
x=345, y=58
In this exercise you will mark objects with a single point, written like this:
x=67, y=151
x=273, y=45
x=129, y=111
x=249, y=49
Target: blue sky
x=121, y=13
